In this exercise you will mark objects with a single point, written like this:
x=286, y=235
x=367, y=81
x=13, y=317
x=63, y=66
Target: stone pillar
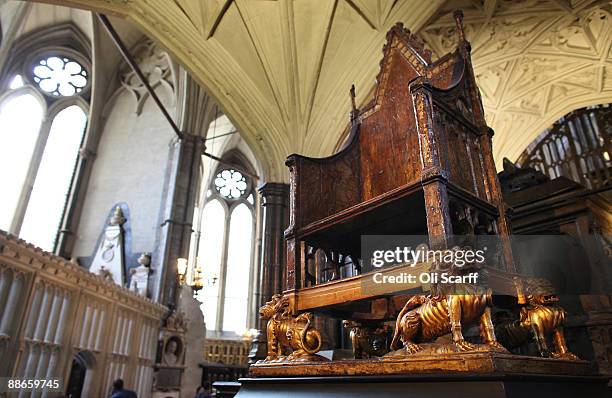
x=74, y=204
x=177, y=228
x=194, y=115
x=275, y=203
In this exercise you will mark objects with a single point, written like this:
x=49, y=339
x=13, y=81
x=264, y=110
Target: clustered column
x=275, y=203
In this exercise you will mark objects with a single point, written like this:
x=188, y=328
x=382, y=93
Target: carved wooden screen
x=461, y=152
x=577, y=147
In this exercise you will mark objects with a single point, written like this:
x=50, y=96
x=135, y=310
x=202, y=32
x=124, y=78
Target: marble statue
x=109, y=259
x=140, y=275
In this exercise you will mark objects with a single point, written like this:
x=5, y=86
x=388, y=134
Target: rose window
x=230, y=184
x=60, y=76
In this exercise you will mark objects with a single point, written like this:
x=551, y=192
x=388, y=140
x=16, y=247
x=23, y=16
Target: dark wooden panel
x=389, y=140
x=327, y=186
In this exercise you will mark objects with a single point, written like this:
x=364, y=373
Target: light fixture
x=198, y=284
x=196, y=281
x=181, y=267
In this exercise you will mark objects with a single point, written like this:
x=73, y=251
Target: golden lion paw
x=464, y=345
x=412, y=348
x=497, y=345
x=567, y=355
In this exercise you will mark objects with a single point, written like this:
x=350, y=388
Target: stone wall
x=131, y=166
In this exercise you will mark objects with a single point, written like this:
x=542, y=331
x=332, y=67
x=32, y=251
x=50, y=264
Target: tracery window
x=43, y=116
x=60, y=76
x=577, y=146
x=223, y=246
x=231, y=184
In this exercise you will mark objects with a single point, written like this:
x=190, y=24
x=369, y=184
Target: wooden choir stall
x=417, y=162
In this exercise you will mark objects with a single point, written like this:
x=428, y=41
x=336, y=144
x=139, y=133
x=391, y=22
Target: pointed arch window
x=20, y=118
x=235, y=309
x=45, y=207
x=211, y=247
x=225, y=230
x=43, y=116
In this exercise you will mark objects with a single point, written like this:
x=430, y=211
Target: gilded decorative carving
x=540, y=319
x=117, y=218
x=290, y=338
x=425, y=318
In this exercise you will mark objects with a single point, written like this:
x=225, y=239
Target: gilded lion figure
x=540, y=319
x=425, y=318
x=289, y=337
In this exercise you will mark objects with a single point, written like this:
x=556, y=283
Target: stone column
x=275, y=203
x=177, y=228
x=194, y=114
x=74, y=204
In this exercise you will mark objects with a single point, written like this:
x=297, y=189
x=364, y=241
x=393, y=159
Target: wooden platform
x=461, y=375
x=428, y=386
x=447, y=364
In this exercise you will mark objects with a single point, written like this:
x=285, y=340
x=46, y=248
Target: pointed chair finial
x=354, y=110
x=458, y=15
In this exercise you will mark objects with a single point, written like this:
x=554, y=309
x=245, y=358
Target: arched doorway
x=81, y=371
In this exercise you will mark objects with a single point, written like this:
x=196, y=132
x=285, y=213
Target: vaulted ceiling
x=534, y=60
x=281, y=69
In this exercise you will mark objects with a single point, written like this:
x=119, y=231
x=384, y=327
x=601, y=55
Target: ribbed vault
x=535, y=61
x=281, y=69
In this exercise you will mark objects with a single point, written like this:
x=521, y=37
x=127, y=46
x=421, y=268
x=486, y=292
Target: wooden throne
x=418, y=161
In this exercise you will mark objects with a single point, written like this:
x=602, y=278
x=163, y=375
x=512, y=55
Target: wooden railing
x=578, y=146
x=228, y=352
x=226, y=361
